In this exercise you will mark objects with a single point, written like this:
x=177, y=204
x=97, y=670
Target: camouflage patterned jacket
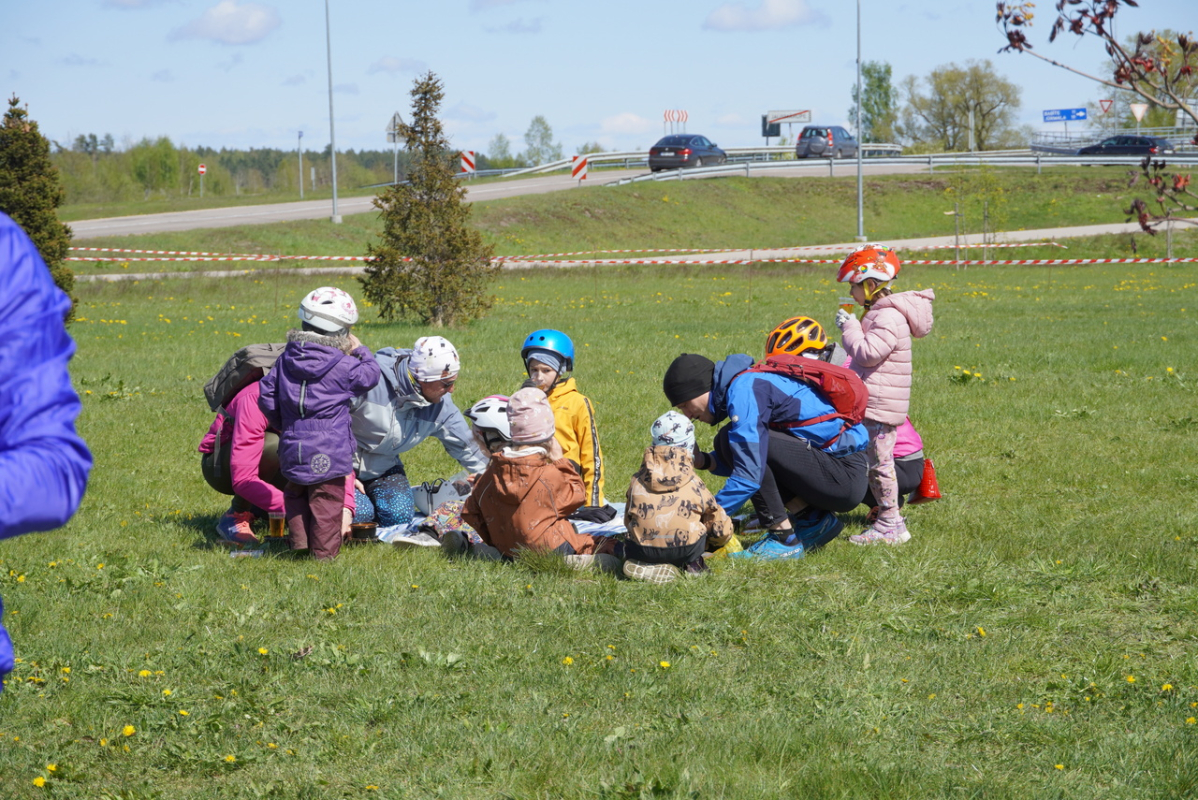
x=670, y=506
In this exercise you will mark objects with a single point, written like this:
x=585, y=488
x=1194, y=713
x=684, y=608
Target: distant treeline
x=94, y=171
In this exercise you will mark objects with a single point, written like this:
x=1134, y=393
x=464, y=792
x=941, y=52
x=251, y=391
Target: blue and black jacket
x=752, y=402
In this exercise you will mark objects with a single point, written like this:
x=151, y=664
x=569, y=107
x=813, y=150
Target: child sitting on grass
x=306, y=395
x=671, y=516
x=522, y=500
x=548, y=356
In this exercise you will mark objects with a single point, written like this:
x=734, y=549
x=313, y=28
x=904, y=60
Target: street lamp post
x=299, y=148
x=336, y=218
x=860, y=182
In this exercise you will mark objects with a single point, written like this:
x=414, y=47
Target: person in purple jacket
x=43, y=462
x=306, y=396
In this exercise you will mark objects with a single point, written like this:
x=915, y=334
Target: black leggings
x=795, y=468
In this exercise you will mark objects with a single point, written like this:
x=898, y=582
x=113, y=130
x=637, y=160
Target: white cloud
x=163, y=76
x=469, y=113
x=769, y=16
x=76, y=60
x=228, y=22
x=625, y=123
x=394, y=64
x=519, y=26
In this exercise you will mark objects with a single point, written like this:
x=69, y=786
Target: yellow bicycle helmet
x=796, y=336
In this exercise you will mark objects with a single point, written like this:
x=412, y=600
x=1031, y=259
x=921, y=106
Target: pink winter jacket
x=880, y=346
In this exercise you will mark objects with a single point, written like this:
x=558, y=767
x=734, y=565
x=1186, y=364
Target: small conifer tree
x=429, y=262
x=30, y=191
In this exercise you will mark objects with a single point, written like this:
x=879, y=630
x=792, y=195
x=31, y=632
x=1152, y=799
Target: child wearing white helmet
x=306, y=396
x=671, y=516
x=412, y=401
x=880, y=348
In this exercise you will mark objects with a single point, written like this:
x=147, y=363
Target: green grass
x=1067, y=535
x=728, y=213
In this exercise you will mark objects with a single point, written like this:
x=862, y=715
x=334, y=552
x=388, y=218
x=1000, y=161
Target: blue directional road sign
x=1065, y=115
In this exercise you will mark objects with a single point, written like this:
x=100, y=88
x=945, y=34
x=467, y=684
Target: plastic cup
x=278, y=526
x=848, y=304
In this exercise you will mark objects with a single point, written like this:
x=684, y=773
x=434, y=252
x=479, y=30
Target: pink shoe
x=873, y=535
x=234, y=527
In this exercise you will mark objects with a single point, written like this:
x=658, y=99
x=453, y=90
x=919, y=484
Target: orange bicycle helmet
x=875, y=261
x=795, y=336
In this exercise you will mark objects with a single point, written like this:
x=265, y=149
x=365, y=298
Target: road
x=319, y=209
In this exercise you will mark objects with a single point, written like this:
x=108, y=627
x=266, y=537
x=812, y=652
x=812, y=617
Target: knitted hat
x=688, y=377
x=530, y=417
x=673, y=429
x=549, y=359
x=434, y=359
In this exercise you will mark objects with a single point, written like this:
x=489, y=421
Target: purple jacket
x=306, y=395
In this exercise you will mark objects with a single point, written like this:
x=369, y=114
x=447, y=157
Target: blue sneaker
x=769, y=548
x=817, y=532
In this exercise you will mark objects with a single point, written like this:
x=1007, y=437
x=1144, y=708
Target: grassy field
x=729, y=213
x=1035, y=638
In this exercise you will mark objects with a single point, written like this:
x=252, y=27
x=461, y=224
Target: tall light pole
x=299, y=148
x=328, y=41
x=860, y=183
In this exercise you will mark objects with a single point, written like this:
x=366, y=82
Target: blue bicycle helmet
x=554, y=341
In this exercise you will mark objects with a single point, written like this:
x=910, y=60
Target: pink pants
x=314, y=516
x=882, y=479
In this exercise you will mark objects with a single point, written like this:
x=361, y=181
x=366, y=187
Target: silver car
x=825, y=141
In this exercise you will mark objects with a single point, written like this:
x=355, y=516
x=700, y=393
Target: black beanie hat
x=688, y=377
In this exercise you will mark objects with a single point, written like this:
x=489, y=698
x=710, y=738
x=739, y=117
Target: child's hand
x=354, y=342
x=842, y=318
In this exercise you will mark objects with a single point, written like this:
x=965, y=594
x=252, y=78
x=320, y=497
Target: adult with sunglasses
x=412, y=401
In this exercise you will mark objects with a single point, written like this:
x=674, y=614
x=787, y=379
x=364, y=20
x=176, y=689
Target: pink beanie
x=530, y=417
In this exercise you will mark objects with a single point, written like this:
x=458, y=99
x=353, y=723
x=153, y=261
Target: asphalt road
x=319, y=209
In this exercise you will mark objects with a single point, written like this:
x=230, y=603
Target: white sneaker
x=603, y=563
x=651, y=573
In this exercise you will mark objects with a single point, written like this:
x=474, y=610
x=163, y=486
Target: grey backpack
x=247, y=365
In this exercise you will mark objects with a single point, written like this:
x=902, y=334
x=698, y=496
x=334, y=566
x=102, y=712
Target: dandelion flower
x=184, y=713
x=567, y=661
x=39, y=781
x=51, y=767
x=1060, y=766
x=981, y=631
x=128, y=730
x=1168, y=687
x=167, y=692
x=262, y=651
x=145, y=673
x=664, y=664
x=1190, y=720
x=229, y=759
x=1131, y=678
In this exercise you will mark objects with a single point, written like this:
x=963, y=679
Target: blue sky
x=245, y=74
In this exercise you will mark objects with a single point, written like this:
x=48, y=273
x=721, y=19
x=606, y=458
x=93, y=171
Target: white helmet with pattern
x=490, y=414
x=329, y=309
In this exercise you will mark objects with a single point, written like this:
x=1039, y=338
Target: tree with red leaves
x=1162, y=70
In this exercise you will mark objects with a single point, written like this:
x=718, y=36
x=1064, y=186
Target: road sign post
x=300, y=149
x=201, y=169
x=1138, y=110
x=393, y=137
x=578, y=168
x=1065, y=115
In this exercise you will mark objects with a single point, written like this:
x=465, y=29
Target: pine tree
x=429, y=262
x=30, y=191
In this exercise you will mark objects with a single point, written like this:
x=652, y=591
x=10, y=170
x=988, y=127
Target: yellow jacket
x=578, y=434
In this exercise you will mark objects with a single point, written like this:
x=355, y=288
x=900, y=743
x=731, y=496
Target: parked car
x=1126, y=145
x=825, y=141
x=685, y=150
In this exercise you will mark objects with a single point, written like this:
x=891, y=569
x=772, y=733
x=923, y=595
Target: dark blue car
x=685, y=150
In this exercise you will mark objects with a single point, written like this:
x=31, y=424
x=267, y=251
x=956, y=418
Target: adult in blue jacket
x=796, y=476
x=43, y=462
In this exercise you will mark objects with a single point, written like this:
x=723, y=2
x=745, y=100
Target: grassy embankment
x=1034, y=639
x=729, y=213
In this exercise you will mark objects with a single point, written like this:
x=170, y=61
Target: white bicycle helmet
x=489, y=416
x=329, y=309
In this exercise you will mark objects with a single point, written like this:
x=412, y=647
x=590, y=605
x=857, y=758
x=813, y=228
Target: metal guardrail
x=1010, y=158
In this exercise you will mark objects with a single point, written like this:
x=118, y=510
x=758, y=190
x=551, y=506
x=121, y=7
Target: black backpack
x=247, y=365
